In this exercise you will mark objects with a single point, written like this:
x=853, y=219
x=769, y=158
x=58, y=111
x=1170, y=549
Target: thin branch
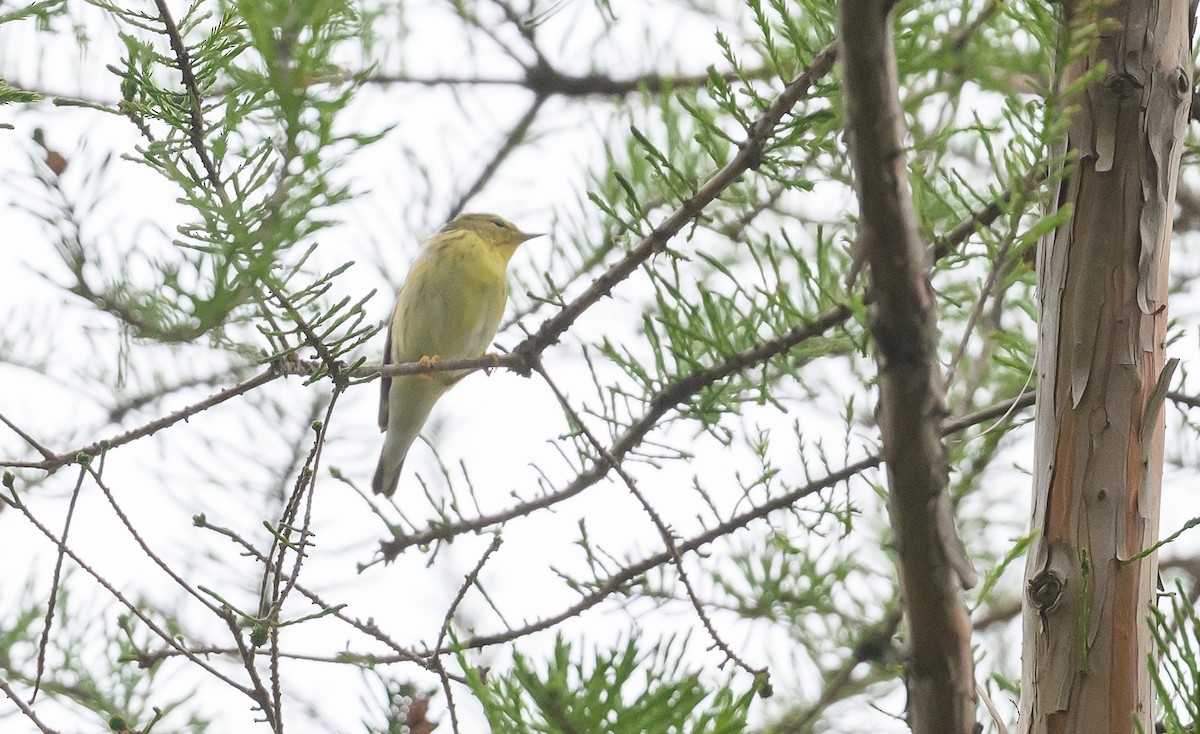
x=57, y=461
x=550, y=82
x=542, y=81
x=55, y=582
x=27, y=438
x=999, y=268
x=987, y=215
x=147, y=551
x=127, y=405
x=24, y=708
x=659, y=405
x=524, y=27
x=184, y=63
x=664, y=532
x=305, y=488
x=511, y=141
x=619, y=581
x=933, y=565
x=332, y=365
x=999, y=613
x=471, y=579
x=748, y=157
x=964, y=35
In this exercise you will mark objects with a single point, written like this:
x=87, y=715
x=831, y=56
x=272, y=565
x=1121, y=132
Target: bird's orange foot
x=430, y=361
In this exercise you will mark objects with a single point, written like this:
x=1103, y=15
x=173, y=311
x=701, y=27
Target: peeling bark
x=933, y=566
x=1102, y=292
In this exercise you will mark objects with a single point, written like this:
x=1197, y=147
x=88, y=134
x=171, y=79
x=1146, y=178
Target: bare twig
x=664, y=532
x=184, y=63
x=57, y=461
x=27, y=438
x=619, y=581
x=659, y=405
x=24, y=708
x=527, y=30
x=145, y=547
x=125, y=406
x=471, y=579
x=511, y=141
x=542, y=81
x=303, y=489
x=56, y=579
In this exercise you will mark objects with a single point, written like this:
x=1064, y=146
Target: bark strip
x=1102, y=298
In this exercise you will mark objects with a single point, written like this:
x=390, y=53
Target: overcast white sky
x=501, y=425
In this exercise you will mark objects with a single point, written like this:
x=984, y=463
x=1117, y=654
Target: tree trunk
x=1102, y=292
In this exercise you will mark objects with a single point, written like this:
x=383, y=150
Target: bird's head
x=496, y=231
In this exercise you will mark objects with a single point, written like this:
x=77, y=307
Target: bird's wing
x=385, y=383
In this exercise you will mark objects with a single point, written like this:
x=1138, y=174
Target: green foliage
x=249, y=139
x=8, y=95
x=631, y=689
x=42, y=11
x=1176, y=667
x=95, y=664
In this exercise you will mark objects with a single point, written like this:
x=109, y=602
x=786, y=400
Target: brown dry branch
x=133, y=608
x=471, y=579
x=24, y=708
x=659, y=405
x=543, y=81
x=54, y=462
x=274, y=591
x=619, y=581
x=604, y=588
x=55, y=582
x=666, y=533
x=749, y=155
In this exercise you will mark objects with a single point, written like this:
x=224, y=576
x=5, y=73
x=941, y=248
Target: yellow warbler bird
x=448, y=308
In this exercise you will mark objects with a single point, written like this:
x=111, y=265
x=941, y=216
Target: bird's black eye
x=498, y=222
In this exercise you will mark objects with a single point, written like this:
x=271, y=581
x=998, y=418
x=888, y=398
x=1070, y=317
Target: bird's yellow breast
x=453, y=299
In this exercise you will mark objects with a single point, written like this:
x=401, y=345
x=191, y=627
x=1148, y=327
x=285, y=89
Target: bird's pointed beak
x=525, y=236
